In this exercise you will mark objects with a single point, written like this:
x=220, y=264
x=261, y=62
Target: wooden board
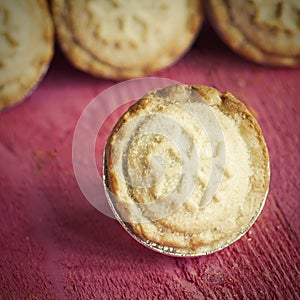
x=55, y=245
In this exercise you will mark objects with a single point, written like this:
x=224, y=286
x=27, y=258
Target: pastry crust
x=267, y=32
x=125, y=39
x=187, y=227
x=27, y=38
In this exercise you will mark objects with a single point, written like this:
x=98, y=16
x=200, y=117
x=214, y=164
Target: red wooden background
x=55, y=245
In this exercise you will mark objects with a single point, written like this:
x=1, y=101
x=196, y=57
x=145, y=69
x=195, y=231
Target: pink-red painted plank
x=55, y=245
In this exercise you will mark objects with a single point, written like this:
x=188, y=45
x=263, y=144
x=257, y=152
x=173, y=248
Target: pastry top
x=187, y=169
x=265, y=31
x=26, y=39
x=124, y=39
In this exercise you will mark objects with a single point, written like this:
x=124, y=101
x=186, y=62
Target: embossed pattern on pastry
x=265, y=31
x=26, y=47
x=124, y=39
x=187, y=170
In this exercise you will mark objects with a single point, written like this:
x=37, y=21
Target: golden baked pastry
x=264, y=31
x=26, y=47
x=125, y=39
x=186, y=170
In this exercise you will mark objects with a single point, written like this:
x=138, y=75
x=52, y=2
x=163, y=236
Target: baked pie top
x=187, y=169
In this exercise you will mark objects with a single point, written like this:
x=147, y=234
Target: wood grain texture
x=55, y=245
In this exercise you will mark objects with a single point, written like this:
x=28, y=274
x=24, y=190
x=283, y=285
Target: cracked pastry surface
x=264, y=31
x=26, y=47
x=167, y=152
x=124, y=39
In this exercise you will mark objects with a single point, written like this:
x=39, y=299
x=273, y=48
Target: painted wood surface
x=55, y=245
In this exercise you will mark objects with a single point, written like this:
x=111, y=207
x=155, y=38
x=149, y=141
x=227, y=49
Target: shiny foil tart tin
x=187, y=229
